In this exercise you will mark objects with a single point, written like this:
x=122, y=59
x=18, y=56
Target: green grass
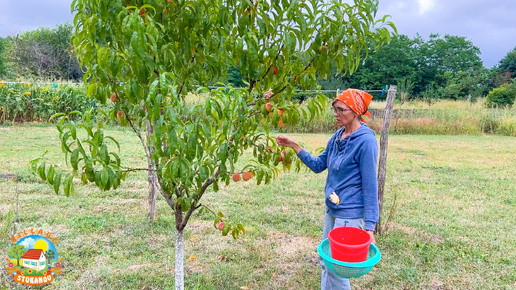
x=451, y=198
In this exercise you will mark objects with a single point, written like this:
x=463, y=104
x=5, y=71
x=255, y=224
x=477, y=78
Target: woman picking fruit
x=351, y=185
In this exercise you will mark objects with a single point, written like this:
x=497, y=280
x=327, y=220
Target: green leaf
x=57, y=182
x=74, y=159
x=41, y=171
x=34, y=164
x=113, y=139
x=215, y=186
x=55, y=116
x=227, y=228
x=104, y=178
x=207, y=106
x=50, y=175
x=84, y=177
x=104, y=155
x=68, y=184
x=73, y=130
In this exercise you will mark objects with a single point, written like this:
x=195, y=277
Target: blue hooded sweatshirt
x=351, y=164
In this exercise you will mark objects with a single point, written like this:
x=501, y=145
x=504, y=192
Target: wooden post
x=391, y=95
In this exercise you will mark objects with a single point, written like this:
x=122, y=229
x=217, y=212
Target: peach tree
x=145, y=56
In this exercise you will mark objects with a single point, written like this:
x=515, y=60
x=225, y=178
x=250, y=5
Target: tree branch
x=205, y=186
x=137, y=169
x=153, y=175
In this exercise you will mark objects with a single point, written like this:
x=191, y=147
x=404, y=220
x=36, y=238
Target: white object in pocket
x=334, y=198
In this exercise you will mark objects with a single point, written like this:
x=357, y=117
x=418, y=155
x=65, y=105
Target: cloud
x=425, y=5
x=22, y=15
x=490, y=25
x=28, y=243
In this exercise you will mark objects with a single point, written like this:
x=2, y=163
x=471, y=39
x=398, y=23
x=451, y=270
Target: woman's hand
x=286, y=141
x=371, y=234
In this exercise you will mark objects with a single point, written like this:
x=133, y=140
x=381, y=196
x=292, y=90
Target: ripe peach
x=120, y=114
x=221, y=226
x=247, y=175
x=268, y=107
x=236, y=177
x=275, y=70
x=280, y=112
x=281, y=124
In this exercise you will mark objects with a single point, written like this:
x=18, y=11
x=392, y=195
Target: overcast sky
x=489, y=24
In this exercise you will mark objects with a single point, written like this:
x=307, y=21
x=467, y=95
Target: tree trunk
x=384, y=137
x=180, y=253
x=152, y=187
x=152, y=198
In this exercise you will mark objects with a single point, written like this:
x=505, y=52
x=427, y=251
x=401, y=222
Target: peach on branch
x=247, y=175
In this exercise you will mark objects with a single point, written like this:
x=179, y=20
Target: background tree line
x=446, y=67
x=40, y=54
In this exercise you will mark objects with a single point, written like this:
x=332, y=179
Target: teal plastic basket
x=345, y=269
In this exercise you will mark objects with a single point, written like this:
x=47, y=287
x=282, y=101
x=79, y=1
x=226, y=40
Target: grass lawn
x=451, y=201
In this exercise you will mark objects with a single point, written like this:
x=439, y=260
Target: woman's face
x=343, y=114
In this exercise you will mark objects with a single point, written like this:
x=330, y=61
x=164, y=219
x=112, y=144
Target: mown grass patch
x=452, y=227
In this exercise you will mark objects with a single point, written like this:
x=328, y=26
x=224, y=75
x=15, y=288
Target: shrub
x=502, y=96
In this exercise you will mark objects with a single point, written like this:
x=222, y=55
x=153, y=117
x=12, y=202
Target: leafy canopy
x=145, y=56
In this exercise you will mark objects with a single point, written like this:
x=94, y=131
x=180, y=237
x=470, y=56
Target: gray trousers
x=330, y=281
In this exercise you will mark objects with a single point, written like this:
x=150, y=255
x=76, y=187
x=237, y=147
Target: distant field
x=452, y=200
x=26, y=103
x=441, y=117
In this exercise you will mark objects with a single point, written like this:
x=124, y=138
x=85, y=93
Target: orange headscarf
x=356, y=100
